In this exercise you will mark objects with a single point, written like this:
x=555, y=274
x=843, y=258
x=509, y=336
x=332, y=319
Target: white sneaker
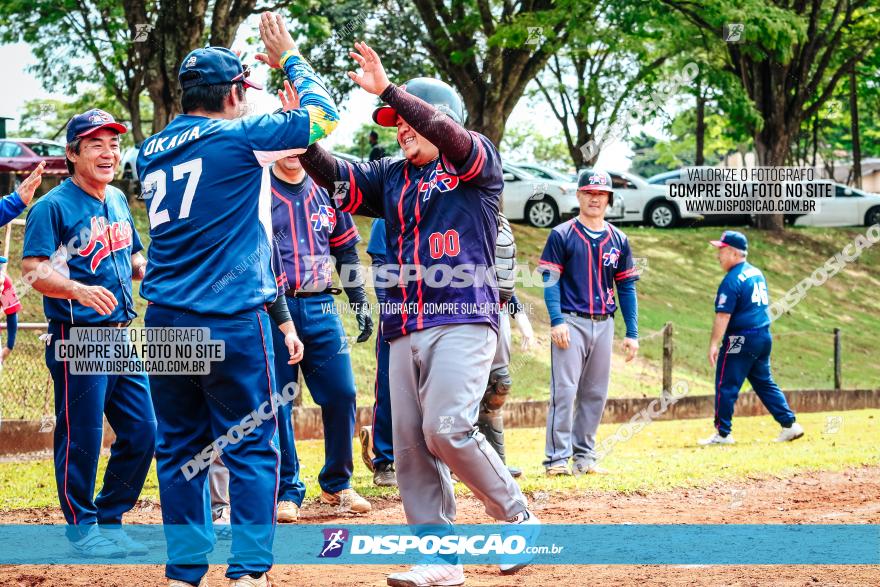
x=792, y=433
x=288, y=512
x=525, y=518
x=426, y=575
x=248, y=581
x=716, y=439
x=176, y=583
x=94, y=545
x=125, y=542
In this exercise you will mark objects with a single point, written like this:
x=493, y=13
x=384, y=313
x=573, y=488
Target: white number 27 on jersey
x=156, y=183
x=759, y=294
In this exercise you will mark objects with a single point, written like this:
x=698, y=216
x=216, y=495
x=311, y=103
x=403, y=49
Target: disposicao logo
x=334, y=541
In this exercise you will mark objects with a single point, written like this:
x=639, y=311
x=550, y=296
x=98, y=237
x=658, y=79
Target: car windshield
x=47, y=149
x=520, y=171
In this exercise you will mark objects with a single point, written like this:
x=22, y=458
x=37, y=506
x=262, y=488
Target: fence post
x=838, y=385
x=667, y=358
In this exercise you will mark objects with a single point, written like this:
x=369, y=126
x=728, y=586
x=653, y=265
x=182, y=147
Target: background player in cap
x=440, y=205
x=584, y=260
x=81, y=243
x=742, y=331
x=312, y=237
x=206, y=184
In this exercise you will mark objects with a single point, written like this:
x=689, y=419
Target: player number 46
x=759, y=294
x=157, y=179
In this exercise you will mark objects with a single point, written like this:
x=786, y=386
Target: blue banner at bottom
x=550, y=544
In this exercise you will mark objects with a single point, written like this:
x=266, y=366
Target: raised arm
x=448, y=136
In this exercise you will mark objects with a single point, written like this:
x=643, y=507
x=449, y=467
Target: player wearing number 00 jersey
x=205, y=179
x=742, y=327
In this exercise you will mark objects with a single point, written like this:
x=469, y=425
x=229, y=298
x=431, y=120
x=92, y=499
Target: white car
x=128, y=163
x=848, y=207
x=546, y=172
x=647, y=203
x=544, y=202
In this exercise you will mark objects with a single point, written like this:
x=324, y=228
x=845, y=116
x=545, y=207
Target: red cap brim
x=120, y=128
x=718, y=244
x=385, y=116
x=596, y=188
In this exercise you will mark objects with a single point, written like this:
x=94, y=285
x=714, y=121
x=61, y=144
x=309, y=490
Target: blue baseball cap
x=89, y=121
x=590, y=180
x=732, y=238
x=213, y=65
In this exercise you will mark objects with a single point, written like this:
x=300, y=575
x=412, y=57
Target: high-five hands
x=275, y=37
x=373, y=78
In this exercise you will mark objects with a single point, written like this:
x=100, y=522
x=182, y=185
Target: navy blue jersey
x=207, y=187
x=440, y=220
x=308, y=230
x=588, y=267
x=743, y=295
x=94, y=242
x=376, y=245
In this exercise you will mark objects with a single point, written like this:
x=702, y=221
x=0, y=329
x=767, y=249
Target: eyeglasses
x=246, y=73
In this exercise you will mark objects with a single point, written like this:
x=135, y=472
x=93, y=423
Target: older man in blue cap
x=741, y=336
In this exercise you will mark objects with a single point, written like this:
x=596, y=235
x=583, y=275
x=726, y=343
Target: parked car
x=128, y=163
x=848, y=207
x=544, y=202
x=647, y=203
x=21, y=156
x=546, y=172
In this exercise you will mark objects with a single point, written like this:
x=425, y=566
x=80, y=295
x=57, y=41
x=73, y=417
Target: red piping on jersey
x=420, y=306
x=628, y=273
x=403, y=315
x=589, y=263
x=354, y=193
x=67, y=450
x=292, y=237
x=344, y=238
x=274, y=417
x=309, y=230
x=479, y=162
x=599, y=272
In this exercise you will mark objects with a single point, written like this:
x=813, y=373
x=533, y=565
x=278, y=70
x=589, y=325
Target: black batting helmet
x=433, y=91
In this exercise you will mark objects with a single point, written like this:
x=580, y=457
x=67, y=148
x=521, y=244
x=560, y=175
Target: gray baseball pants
x=578, y=389
x=438, y=377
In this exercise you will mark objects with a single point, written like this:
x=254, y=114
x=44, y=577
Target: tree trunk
x=772, y=146
x=854, y=125
x=701, y=124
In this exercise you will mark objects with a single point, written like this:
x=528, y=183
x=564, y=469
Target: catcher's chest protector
x=505, y=259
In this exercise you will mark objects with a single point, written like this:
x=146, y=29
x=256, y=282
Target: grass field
x=678, y=285
x=662, y=456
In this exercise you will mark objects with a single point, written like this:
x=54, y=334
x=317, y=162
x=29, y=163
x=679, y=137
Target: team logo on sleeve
x=437, y=179
x=105, y=239
x=722, y=299
x=611, y=258
x=325, y=217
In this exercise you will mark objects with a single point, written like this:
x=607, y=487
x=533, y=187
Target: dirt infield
x=848, y=497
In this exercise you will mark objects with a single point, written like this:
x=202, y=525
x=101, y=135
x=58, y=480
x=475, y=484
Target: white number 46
x=759, y=294
x=157, y=184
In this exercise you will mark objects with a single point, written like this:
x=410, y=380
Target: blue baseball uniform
x=589, y=266
x=440, y=318
x=10, y=207
x=206, y=185
x=309, y=233
x=92, y=241
x=383, y=443
x=437, y=218
x=745, y=352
